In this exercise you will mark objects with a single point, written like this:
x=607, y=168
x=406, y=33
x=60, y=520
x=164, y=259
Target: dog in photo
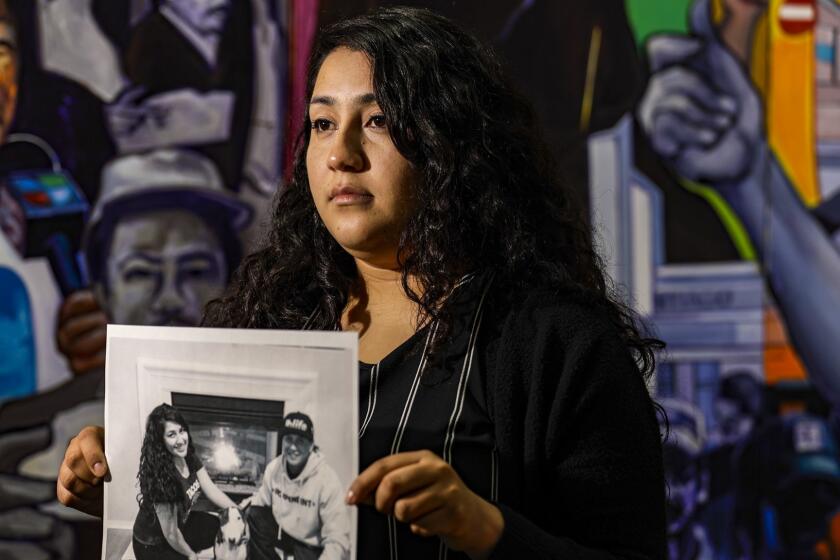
x=233, y=536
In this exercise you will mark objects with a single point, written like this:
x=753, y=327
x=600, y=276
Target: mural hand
x=81, y=332
x=175, y=118
x=80, y=477
x=700, y=110
x=124, y=116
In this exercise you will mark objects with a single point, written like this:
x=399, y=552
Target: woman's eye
x=321, y=125
x=378, y=121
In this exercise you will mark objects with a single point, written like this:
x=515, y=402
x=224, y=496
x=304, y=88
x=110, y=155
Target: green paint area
x=648, y=17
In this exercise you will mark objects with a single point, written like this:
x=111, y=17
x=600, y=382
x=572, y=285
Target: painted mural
x=140, y=141
x=741, y=107
x=140, y=144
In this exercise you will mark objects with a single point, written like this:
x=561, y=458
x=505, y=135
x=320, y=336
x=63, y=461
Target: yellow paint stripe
x=591, y=76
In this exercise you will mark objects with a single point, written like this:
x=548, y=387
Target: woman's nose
x=346, y=152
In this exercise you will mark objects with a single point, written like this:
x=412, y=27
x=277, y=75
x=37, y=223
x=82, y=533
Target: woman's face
x=361, y=184
x=175, y=439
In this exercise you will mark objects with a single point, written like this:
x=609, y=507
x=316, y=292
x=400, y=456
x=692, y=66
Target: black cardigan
x=579, y=443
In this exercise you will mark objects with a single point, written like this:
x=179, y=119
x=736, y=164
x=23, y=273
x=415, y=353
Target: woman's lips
x=348, y=196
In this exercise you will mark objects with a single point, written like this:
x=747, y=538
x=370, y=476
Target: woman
x=503, y=411
x=171, y=479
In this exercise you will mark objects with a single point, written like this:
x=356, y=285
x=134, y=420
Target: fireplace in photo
x=234, y=437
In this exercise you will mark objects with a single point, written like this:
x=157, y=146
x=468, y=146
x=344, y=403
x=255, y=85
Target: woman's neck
x=380, y=311
x=181, y=465
x=379, y=286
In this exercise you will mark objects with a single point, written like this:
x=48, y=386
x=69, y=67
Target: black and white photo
x=229, y=445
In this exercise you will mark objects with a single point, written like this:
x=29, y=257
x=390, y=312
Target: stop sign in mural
x=797, y=16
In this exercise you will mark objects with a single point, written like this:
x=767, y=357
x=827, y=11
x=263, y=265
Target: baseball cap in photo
x=300, y=424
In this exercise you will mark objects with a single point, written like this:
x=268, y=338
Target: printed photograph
x=229, y=444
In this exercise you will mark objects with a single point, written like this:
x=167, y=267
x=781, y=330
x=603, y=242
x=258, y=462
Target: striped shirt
x=411, y=403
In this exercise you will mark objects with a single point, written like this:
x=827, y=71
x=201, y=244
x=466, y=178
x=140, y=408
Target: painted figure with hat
x=299, y=510
x=161, y=242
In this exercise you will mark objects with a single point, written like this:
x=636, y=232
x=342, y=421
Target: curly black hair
x=157, y=476
x=490, y=192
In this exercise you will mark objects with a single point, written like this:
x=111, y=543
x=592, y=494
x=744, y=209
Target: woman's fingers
x=402, y=481
x=91, y=442
x=75, y=484
x=80, y=475
x=84, y=464
x=365, y=484
x=414, y=506
x=436, y=522
x=91, y=505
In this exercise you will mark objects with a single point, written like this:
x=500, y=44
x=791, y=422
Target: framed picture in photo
x=229, y=443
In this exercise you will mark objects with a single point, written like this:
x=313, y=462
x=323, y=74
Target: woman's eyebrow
x=361, y=99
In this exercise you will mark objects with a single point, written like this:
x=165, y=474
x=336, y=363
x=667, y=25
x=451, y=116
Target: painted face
x=163, y=268
x=361, y=184
x=296, y=450
x=683, y=492
x=8, y=77
x=176, y=439
x=732, y=424
x=205, y=16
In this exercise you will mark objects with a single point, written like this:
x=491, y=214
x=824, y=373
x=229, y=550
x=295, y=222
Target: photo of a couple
x=298, y=511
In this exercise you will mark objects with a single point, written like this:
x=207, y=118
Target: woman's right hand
x=80, y=477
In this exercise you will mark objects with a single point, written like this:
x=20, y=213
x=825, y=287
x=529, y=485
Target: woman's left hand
x=423, y=490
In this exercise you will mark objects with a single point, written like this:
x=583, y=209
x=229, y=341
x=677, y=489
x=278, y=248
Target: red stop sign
x=798, y=16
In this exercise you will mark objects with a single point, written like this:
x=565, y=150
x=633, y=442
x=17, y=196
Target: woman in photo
x=502, y=382
x=171, y=479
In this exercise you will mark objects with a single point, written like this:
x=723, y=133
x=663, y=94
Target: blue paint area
x=826, y=53
x=771, y=537
x=17, y=340
x=46, y=194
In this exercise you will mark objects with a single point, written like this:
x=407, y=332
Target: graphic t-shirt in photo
x=147, y=528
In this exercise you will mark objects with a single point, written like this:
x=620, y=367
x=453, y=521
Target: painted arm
x=212, y=491
x=801, y=266
x=703, y=116
x=167, y=515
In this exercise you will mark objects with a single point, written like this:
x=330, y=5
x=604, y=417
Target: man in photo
x=299, y=510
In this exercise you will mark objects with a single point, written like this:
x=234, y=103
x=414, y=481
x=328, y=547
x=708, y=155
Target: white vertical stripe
x=466, y=368
x=494, y=474
x=395, y=446
x=372, y=392
x=449, y=442
x=409, y=403
x=392, y=537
